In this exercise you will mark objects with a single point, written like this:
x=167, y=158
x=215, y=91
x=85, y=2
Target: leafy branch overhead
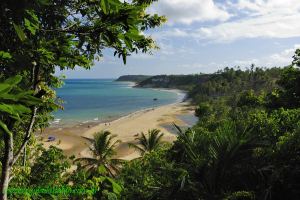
x=39, y=37
x=15, y=102
x=85, y=28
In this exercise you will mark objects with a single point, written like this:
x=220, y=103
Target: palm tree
x=103, y=149
x=215, y=157
x=149, y=143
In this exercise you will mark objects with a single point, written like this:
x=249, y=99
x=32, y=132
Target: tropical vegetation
x=103, y=149
x=245, y=144
x=146, y=144
x=42, y=36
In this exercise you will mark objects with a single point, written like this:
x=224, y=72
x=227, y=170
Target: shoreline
x=71, y=139
x=56, y=123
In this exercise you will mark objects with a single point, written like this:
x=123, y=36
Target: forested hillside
x=184, y=82
x=231, y=81
x=225, y=82
x=245, y=146
x=133, y=78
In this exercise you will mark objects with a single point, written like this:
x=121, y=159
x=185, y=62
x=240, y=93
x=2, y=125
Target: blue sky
x=207, y=35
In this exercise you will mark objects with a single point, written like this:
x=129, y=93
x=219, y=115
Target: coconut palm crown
x=103, y=149
x=149, y=143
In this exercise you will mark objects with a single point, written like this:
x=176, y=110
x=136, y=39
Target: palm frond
x=103, y=147
x=86, y=160
x=140, y=149
x=147, y=143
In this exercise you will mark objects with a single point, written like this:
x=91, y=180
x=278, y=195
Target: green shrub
x=240, y=195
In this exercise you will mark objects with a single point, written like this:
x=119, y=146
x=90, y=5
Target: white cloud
x=246, y=63
x=174, y=32
x=254, y=19
x=189, y=11
x=279, y=59
x=266, y=26
x=263, y=7
x=284, y=57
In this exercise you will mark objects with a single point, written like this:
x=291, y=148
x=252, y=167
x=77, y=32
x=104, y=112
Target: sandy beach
x=72, y=139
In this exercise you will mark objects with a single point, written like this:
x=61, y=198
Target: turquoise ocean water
x=93, y=100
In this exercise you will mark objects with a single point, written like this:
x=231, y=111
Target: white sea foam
x=56, y=121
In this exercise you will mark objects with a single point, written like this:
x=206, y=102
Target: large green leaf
x=4, y=87
x=13, y=100
x=31, y=27
x=28, y=98
x=5, y=55
x=21, y=109
x=4, y=108
x=115, y=2
x=104, y=6
x=13, y=80
x=117, y=189
x=110, y=6
x=114, y=6
x=19, y=32
x=25, y=98
x=33, y=16
x=4, y=128
x=14, y=110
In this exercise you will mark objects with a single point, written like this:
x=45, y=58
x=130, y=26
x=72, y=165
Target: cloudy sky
x=207, y=35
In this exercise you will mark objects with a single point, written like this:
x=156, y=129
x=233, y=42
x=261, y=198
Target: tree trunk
x=6, y=165
x=24, y=156
x=4, y=183
x=26, y=138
